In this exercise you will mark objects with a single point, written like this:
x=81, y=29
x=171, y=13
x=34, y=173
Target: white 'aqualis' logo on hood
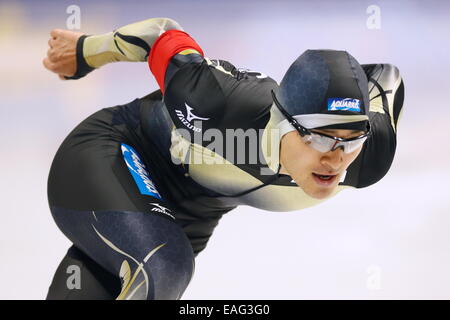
x=345, y=104
x=186, y=120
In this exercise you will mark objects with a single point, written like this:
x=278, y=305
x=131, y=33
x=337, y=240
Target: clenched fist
x=62, y=54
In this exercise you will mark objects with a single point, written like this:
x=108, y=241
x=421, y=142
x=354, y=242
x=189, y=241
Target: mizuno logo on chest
x=190, y=116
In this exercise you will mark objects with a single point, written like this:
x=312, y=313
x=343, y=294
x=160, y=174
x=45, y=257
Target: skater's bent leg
x=150, y=254
x=102, y=197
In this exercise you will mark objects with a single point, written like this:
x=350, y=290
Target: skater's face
x=317, y=173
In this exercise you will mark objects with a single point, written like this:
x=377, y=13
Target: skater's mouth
x=324, y=180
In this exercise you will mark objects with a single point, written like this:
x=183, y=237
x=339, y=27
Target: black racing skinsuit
x=137, y=218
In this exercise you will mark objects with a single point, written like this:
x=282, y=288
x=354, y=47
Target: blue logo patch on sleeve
x=139, y=171
x=344, y=104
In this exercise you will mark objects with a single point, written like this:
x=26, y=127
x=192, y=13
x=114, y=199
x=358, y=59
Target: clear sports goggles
x=322, y=142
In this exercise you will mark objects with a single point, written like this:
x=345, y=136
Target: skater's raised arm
x=72, y=55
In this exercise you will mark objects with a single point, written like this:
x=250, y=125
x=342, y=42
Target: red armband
x=165, y=47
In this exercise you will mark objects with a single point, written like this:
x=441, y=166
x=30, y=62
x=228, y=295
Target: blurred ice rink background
x=388, y=241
